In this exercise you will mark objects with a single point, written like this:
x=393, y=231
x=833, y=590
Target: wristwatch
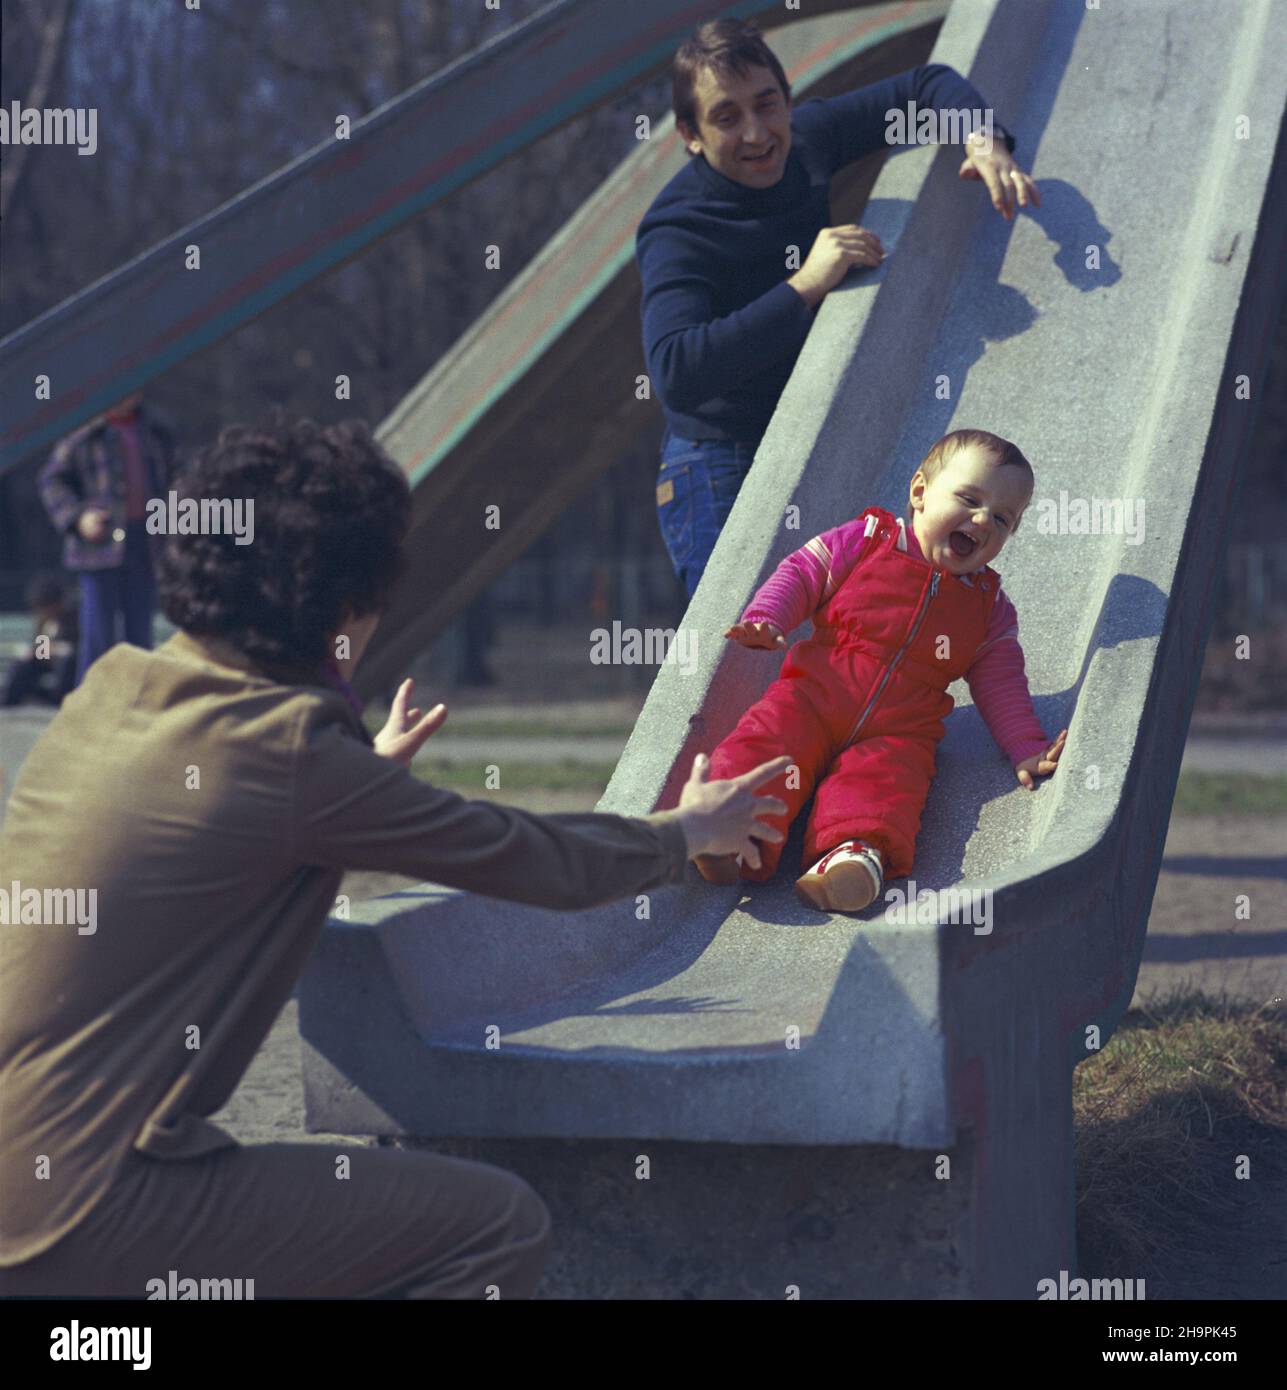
x=1000, y=130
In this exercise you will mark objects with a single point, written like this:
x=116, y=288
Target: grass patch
x=1185, y=1086
x=470, y=778
x=515, y=728
x=535, y=729
x=1230, y=794
x=1198, y=793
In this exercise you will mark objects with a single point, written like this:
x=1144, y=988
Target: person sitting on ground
x=46, y=670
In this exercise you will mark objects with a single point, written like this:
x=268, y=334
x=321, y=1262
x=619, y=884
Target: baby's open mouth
x=961, y=544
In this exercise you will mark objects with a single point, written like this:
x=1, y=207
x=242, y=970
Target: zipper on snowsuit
x=897, y=657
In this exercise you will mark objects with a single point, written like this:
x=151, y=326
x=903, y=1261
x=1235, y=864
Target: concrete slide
x=859, y=1107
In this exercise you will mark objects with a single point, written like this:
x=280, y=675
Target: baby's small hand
x=763, y=635
x=1041, y=763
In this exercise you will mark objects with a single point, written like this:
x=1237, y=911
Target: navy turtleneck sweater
x=721, y=327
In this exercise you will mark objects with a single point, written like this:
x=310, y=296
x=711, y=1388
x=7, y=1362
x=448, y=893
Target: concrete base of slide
x=795, y=1083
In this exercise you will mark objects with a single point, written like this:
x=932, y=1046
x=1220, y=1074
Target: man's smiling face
x=740, y=117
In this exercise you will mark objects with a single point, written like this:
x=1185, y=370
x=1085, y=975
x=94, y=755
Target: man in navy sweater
x=723, y=320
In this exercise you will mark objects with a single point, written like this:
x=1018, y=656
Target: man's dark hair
x=728, y=47
x=330, y=515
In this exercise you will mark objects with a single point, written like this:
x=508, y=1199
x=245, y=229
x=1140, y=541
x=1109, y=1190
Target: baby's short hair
x=1002, y=453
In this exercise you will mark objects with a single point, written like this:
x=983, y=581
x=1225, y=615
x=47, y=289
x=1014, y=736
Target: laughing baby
x=901, y=608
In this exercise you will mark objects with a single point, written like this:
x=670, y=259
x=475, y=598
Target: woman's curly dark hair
x=331, y=511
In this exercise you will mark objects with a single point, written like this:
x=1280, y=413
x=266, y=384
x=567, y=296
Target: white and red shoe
x=846, y=879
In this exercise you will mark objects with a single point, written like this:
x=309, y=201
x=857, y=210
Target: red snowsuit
x=860, y=705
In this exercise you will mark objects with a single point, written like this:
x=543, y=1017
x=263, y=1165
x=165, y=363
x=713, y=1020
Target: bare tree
x=196, y=106
x=47, y=20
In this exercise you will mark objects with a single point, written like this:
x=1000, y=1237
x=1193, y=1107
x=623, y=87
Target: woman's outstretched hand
x=402, y=738
x=1042, y=763
x=721, y=817
x=763, y=635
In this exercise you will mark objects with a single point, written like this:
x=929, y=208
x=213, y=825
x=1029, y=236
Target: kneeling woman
x=205, y=799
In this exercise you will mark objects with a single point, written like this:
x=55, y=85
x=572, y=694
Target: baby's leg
x=875, y=791
x=784, y=720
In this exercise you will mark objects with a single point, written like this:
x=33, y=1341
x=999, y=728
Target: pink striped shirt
x=808, y=579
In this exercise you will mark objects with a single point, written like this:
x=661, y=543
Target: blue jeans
x=129, y=589
x=697, y=484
